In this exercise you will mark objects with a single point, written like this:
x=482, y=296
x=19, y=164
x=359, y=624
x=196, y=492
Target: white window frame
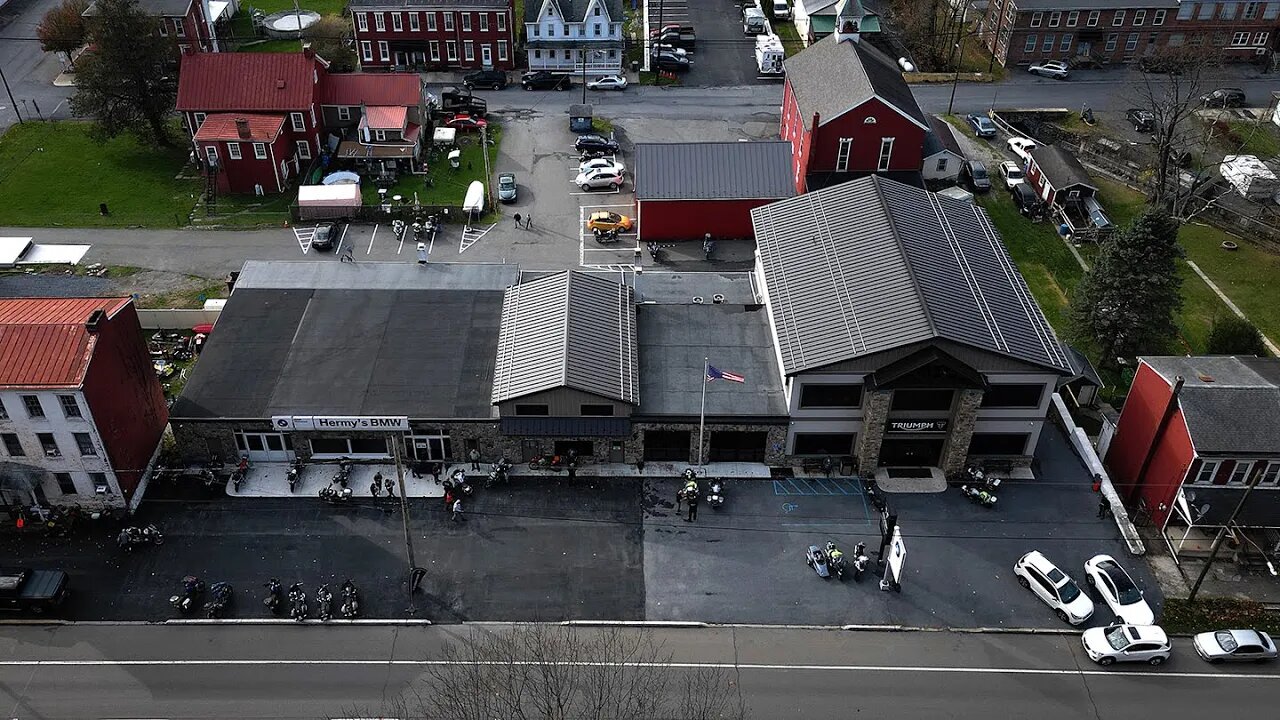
x=397, y=22
x=502, y=48
x=198, y=119
x=466, y=21
x=259, y=151
x=1157, y=18
x=886, y=154
x=366, y=50
x=304, y=150
x=1037, y=18
x=1139, y=17
x=1032, y=42
x=434, y=45
x=1117, y=20
x=1211, y=466
x=164, y=27
x=431, y=21
x=344, y=113
x=1065, y=43
x=362, y=22
x=502, y=22
x=298, y=122
x=1073, y=17
x=941, y=165
x=843, y=152
x=379, y=135
x=1131, y=42
x=1050, y=39
x=484, y=22
x=1094, y=16
x=1238, y=478
x=1112, y=40
x=380, y=22
x=415, y=23
x=468, y=50
x=451, y=50
x=211, y=154
x=1260, y=39
x=233, y=151
x=448, y=20
x=1240, y=39
x=1251, y=10
x=1270, y=473
x=1055, y=18
x=179, y=27
x=384, y=51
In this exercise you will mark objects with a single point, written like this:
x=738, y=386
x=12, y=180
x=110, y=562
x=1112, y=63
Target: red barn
x=848, y=112
x=686, y=190
x=1195, y=433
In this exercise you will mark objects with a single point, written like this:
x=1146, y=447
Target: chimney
x=95, y=319
x=242, y=128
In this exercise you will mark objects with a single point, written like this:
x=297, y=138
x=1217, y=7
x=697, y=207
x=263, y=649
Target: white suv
x=1058, y=591
x=1126, y=643
x=1053, y=69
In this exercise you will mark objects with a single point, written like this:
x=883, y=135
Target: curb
x=639, y=623
x=288, y=621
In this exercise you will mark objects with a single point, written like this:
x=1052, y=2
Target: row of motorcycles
x=693, y=491
x=193, y=589
x=979, y=486
x=424, y=230
x=134, y=536
x=349, y=607
x=830, y=561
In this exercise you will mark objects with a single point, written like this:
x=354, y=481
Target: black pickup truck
x=460, y=100
x=35, y=591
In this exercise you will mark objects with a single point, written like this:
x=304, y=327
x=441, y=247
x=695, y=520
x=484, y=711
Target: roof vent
x=1205, y=378
x=280, y=84
x=697, y=300
x=717, y=298
x=95, y=319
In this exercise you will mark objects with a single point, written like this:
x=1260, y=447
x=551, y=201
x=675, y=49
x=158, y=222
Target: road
x=29, y=70
x=288, y=671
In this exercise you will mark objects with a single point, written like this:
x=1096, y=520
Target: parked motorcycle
x=816, y=558
x=860, y=560
x=417, y=230
x=297, y=602
x=835, y=560
x=458, y=482
x=655, y=251
x=238, y=475
x=185, y=602
x=350, y=600
x=708, y=247
x=219, y=600
x=275, y=596
x=335, y=496
x=294, y=474
x=979, y=495
x=607, y=237
x=431, y=227
x=133, y=536
x=324, y=603
x=498, y=473
x=398, y=228
x=715, y=498
x=552, y=462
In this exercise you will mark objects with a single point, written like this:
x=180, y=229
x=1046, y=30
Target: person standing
x=435, y=472
x=1104, y=507
x=528, y=221
x=474, y=457
x=692, y=500
x=457, y=511
x=346, y=254
x=448, y=500
x=517, y=219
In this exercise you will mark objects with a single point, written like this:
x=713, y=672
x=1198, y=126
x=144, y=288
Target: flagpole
x=702, y=414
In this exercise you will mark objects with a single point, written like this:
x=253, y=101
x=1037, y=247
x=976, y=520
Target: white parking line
x=371, y=237
x=304, y=236
x=615, y=191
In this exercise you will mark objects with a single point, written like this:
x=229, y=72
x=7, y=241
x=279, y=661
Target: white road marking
x=371, y=237
x=471, y=236
x=304, y=236
x=767, y=667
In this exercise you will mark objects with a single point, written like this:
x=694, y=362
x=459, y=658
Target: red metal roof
x=383, y=117
x=222, y=126
x=404, y=89
x=43, y=341
x=211, y=82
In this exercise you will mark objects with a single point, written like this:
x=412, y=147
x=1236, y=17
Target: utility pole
x=957, y=55
x=1222, y=535
x=582, y=54
x=9, y=92
x=995, y=39
x=404, y=518
x=484, y=152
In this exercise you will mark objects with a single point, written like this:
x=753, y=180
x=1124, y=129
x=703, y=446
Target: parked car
x=1224, y=98
x=1026, y=200
x=495, y=79
x=608, y=82
x=35, y=591
x=545, y=80
x=1142, y=120
x=1054, y=587
x=1011, y=173
x=507, y=187
x=460, y=100
x=1055, y=69
x=1118, y=590
x=974, y=174
x=982, y=125
x=599, y=178
x=1234, y=646
x=1021, y=147
x=601, y=163
x=325, y=236
x=595, y=143
x=670, y=28
x=682, y=38
x=604, y=221
x=668, y=48
x=1126, y=643
x=466, y=122
x=664, y=60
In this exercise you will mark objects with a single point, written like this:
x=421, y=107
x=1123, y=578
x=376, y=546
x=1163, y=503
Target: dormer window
x=597, y=12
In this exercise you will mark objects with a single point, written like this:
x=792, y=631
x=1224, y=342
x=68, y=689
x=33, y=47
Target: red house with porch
x=1195, y=434
x=848, y=112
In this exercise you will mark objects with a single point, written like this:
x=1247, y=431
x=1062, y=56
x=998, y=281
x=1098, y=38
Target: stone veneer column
x=874, y=417
x=962, y=422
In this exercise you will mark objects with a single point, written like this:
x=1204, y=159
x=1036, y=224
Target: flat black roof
x=424, y=353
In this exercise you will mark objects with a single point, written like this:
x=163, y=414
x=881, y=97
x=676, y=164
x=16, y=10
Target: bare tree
x=553, y=672
x=929, y=28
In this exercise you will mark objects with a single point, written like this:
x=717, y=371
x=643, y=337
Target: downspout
x=1169, y=409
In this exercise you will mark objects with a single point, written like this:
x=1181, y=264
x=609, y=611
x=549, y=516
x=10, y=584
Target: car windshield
x=1126, y=592
x=1118, y=639
x=979, y=171
x=1013, y=171
x=506, y=181
x=1069, y=591
x=1226, y=640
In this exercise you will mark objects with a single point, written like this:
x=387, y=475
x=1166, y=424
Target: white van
x=781, y=9
x=753, y=22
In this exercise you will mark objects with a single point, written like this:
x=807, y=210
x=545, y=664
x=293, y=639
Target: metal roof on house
x=1227, y=404
x=1060, y=167
x=351, y=89
x=873, y=264
x=941, y=137
x=222, y=126
x=44, y=341
x=383, y=117
x=831, y=77
x=210, y=82
x=714, y=171
x=571, y=329
x=572, y=10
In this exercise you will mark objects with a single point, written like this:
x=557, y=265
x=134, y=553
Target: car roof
x=1147, y=633
x=1248, y=637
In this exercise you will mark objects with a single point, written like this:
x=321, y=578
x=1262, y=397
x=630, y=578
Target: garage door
x=738, y=446
x=669, y=445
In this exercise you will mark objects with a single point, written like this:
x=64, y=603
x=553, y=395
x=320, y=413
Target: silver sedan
x=1234, y=646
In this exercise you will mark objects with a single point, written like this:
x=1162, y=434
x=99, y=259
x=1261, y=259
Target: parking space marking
x=615, y=191
x=304, y=236
x=470, y=236
x=805, y=486
x=371, y=237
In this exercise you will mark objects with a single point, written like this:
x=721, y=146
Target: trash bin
x=846, y=466
x=635, y=66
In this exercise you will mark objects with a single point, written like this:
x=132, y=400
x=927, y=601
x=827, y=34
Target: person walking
x=517, y=219
x=692, y=500
x=573, y=472
x=528, y=221
x=448, y=500
x=435, y=472
x=457, y=511
x=474, y=457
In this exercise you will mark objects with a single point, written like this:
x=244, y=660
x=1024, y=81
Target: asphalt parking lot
x=723, y=56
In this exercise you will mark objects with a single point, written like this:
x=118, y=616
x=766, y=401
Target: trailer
x=1249, y=176
x=769, y=54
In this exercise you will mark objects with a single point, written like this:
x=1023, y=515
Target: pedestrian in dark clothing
x=528, y=221
x=416, y=469
x=679, y=498
x=1104, y=507
x=692, y=500
x=640, y=466
x=474, y=457
x=573, y=473
x=517, y=219
x=346, y=254
x=435, y=472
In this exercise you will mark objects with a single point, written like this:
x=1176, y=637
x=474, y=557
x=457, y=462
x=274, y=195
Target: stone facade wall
x=963, y=418
x=775, y=451
x=874, y=418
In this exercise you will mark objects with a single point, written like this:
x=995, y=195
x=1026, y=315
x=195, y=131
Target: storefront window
x=369, y=446
x=1012, y=396
x=329, y=446
x=998, y=444
x=431, y=447
x=823, y=444
x=830, y=395
x=922, y=399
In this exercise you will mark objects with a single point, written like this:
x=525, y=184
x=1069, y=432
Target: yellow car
x=605, y=221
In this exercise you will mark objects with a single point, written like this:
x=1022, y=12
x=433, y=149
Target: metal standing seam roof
x=873, y=264
x=571, y=329
x=222, y=126
x=44, y=342
x=350, y=89
x=572, y=10
x=714, y=171
x=383, y=117
x=245, y=82
x=831, y=77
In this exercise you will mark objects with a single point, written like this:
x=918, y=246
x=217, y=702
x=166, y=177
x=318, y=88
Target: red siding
x=796, y=130
x=1038, y=181
x=691, y=219
x=908, y=144
x=1145, y=405
x=125, y=398
x=408, y=40
x=240, y=176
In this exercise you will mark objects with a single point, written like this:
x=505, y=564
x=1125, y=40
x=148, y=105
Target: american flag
x=714, y=373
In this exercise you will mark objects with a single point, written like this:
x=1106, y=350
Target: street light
x=583, y=53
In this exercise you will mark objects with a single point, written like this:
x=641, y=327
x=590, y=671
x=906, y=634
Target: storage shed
x=686, y=190
x=325, y=202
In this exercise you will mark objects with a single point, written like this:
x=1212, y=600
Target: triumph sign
x=915, y=426
x=339, y=423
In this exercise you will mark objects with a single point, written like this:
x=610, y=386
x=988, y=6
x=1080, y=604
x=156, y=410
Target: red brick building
x=187, y=22
x=1020, y=32
x=434, y=34
x=81, y=408
x=847, y=112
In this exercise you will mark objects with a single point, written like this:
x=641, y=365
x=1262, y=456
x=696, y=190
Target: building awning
x=566, y=426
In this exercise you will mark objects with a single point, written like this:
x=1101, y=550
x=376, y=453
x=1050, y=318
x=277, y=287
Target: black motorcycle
x=860, y=560
x=275, y=596
x=835, y=561
x=133, y=536
x=350, y=601
x=458, y=482
x=219, y=600
x=336, y=496
x=238, y=476
x=498, y=473
x=192, y=589
x=297, y=602
x=324, y=603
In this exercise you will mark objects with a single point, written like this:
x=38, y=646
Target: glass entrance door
x=263, y=447
x=911, y=452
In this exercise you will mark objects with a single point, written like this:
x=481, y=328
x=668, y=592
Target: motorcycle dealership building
x=882, y=326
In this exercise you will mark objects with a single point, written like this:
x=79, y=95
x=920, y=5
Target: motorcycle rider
x=834, y=554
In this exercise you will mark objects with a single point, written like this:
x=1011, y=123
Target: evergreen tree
x=1233, y=335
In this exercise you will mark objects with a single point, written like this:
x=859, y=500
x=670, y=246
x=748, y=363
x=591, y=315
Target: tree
x=930, y=29
x=557, y=672
x=1126, y=302
x=332, y=39
x=1234, y=335
x=62, y=29
x=127, y=83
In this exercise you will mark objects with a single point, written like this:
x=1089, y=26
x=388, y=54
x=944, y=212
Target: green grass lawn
x=1249, y=276
x=55, y=174
x=324, y=7
x=272, y=46
x=791, y=42
x=248, y=210
x=1253, y=138
x=450, y=185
